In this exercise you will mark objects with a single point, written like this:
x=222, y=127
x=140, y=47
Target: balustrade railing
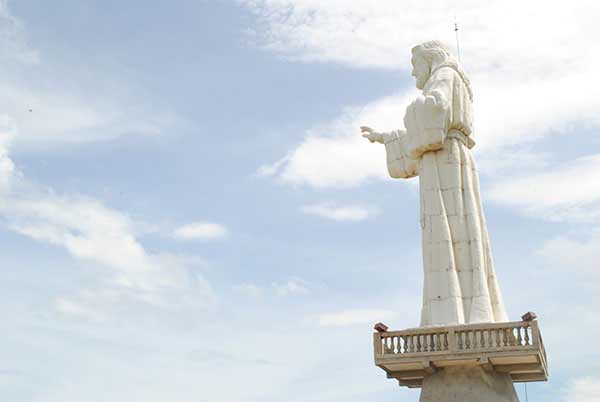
x=458, y=339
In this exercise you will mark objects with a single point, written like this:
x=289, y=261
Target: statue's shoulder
x=444, y=72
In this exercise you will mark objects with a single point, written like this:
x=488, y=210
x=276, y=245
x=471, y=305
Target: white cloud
x=570, y=191
x=69, y=116
x=96, y=234
x=528, y=76
x=339, y=212
x=515, y=36
x=585, y=389
x=249, y=289
x=200, y=231
x=579, y=256
x=335, y=154
x=101, y=236
x=14, y=47
x=355, y=317
x=293, y=286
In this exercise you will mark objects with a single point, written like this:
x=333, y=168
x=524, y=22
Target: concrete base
x=468, y=384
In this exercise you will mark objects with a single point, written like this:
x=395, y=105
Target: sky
x=188, y=211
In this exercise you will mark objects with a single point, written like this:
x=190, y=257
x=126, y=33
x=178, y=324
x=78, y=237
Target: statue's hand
x=371, y=135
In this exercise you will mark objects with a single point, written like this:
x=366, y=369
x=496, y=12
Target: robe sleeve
x=399, y=164
x=427, y=117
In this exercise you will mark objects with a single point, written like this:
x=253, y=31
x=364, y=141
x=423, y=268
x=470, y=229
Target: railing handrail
x=455, y=328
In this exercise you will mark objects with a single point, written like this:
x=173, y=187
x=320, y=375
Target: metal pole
x=457, y=42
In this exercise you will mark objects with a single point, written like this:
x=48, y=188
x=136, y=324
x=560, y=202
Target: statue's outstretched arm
x=375, y=136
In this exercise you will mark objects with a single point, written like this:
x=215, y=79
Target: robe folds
x=460, y=284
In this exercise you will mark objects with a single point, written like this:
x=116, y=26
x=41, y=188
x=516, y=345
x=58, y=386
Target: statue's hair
x=433, y=51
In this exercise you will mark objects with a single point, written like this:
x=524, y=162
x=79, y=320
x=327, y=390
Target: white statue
x=460, y=285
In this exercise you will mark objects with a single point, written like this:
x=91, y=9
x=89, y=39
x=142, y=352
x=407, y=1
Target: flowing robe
x=460, y=284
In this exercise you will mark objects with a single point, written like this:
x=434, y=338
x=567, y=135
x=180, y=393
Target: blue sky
x=188, y=212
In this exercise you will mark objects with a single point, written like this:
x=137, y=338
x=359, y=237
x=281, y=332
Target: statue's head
x=425, y=57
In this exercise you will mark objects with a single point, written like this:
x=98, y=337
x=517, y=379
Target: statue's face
x=420, y=71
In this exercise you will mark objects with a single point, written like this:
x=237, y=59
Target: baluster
x=475, y=343
x=498, y=333
x=468, y=340
x=425, y=343
x=519, y=338
x=445, y=341
x=418, y=343
x=505, y=335
x=432, y=343
x=490, y=338
x=438, y=341
x=527, y=339
x=459, y=336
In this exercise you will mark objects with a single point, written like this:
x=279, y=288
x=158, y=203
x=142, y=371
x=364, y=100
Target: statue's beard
x=422, y=81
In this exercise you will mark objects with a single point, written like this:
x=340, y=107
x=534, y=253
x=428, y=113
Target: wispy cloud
x=293, y=286
x=249, y=289
x=339, y=212
x=578, y=256
x=570, y=191
x=361, y=34
x=355, y=317
x=335, y=154
x=200, y=231
x=14, y=46
x=96, y=234
x=584, y=389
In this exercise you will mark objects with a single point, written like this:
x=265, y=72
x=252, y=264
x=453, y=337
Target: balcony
x=515, y=348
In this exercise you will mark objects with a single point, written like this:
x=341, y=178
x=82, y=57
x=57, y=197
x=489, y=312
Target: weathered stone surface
x=468, y=384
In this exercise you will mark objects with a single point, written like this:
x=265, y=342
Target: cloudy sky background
x=188, y=212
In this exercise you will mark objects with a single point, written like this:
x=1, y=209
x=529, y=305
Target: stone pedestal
x=468, y=384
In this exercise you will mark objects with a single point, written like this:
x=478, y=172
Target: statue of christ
x=460, y=285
